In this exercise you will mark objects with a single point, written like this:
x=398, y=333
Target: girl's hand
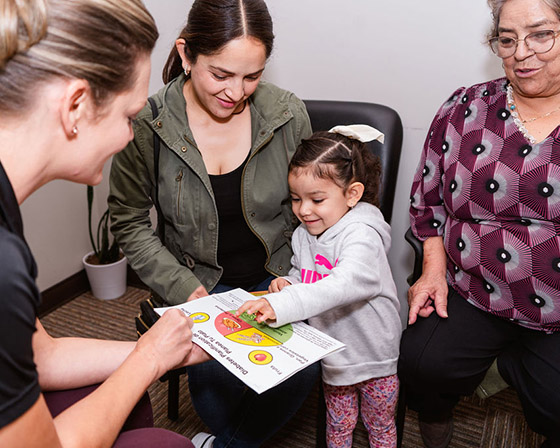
x=260, y=307
x=198, y=293
x=278, y=284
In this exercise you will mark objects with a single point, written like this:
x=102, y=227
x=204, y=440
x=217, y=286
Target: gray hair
x=99, y=41
x=496, y=8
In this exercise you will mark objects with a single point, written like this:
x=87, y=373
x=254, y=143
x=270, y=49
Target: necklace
x=512, y=106
x=518, y=122
x=530, y=120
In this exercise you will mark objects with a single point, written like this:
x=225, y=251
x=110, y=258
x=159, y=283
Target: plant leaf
x=103, y=238
x=90, y=205
x=114, y=252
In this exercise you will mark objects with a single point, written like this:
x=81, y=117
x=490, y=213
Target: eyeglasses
x=538, y=42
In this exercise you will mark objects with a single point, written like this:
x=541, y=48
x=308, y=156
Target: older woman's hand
x=429, y=293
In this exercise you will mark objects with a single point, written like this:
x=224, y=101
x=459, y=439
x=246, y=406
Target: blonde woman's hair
x=99, y=41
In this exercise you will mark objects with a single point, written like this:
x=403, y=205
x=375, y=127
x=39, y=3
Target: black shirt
x=240, y=252
x=19, y=299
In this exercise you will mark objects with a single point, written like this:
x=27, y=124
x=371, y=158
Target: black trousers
x=442, y=359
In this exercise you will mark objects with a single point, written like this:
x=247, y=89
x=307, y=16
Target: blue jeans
x=236, y=415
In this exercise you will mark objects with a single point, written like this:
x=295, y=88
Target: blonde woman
x=73, y=75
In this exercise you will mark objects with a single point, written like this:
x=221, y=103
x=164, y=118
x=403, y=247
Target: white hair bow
x=361, y=132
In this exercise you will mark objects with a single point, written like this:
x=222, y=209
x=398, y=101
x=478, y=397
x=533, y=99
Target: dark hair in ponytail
x=342, y=160
x=212, y=24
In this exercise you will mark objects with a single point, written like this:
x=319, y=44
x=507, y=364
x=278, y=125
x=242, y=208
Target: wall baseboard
x=75, y=285
x=64, y=291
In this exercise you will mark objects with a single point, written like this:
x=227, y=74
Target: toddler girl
x=341, y=281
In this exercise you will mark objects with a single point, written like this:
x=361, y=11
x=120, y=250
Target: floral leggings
x=378, y=398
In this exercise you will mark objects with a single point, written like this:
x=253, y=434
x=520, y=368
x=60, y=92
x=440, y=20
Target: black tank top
x=240, y=252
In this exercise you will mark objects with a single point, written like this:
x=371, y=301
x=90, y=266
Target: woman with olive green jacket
x=188, y=257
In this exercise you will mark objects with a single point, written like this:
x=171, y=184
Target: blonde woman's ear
x=73, y=105
x=354, y=193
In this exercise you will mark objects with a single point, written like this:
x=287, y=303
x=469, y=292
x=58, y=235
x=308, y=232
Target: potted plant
x=106, y=264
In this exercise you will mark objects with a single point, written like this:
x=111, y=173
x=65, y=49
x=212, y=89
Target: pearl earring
x=75, y=130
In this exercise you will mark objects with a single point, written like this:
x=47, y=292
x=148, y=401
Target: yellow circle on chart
x=199, y=317
x=260, y=357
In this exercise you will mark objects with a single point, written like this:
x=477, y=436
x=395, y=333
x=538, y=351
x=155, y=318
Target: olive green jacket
x=189, y=256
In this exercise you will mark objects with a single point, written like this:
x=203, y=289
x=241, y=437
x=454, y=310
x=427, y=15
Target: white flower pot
x=107, y=281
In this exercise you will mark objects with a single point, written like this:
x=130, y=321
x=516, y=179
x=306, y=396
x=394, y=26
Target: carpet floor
x=496, y=422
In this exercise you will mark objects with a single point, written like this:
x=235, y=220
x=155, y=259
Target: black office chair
x=326, y=114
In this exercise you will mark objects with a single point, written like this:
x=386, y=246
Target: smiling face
x=318, y=203
x=220, y=83
x=531, y=75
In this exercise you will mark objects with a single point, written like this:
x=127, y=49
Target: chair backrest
x=326, y=114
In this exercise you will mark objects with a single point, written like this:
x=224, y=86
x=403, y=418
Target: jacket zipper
x=243, y=201
x=178, y=179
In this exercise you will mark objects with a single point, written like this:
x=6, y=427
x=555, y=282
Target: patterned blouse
x=495, y=198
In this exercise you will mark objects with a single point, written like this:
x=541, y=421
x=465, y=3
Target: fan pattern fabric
x=495, y=198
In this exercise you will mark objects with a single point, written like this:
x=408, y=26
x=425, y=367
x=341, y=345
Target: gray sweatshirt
x=342, y=282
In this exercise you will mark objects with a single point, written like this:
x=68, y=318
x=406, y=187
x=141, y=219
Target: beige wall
x=55, y=226
x=407, y=54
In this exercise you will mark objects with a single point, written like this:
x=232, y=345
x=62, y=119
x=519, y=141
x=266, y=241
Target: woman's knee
x=420, y=360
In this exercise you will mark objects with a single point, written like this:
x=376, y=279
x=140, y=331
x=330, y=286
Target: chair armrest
x=418, y=248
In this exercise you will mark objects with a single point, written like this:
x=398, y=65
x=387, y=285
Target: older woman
x=73, y=75
x=486, y=203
